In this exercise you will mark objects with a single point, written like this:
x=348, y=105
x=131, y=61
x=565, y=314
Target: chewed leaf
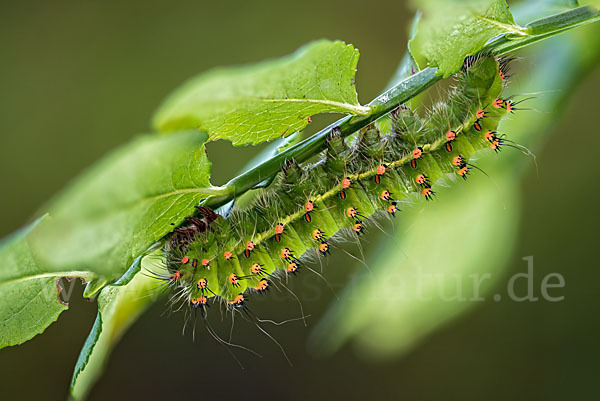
x=28, y=293
x=261, y=102
x=115, y=211
x=451, y=30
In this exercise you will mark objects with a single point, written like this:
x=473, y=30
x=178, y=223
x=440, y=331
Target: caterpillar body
x=307, y=206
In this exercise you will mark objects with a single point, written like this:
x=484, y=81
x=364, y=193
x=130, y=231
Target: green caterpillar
x=306, y=206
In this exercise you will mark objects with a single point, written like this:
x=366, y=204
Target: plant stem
x=394, y=97
x=383, y=104
x=544, y=28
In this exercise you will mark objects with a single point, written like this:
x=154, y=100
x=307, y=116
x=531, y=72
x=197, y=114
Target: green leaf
x=118, y=308
x=450, y=30
x=125, y=203
x=28, y=292
x=261, y=102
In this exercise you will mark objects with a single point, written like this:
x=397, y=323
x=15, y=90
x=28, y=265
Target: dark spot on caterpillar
x=199, y=224
x=183, y=236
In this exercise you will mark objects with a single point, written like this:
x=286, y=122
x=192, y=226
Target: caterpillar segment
x=307, y=204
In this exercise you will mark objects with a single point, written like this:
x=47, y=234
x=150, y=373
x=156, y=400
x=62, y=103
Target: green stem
x=394, y=97
x=544, y=28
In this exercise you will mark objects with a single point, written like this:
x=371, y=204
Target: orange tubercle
x=233, y=279
x=262, y=285
x=285, y=253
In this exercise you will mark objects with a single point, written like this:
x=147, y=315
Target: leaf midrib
x=74, y=273
x=130, y=205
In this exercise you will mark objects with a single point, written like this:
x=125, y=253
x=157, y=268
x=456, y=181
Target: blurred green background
x=80, y=77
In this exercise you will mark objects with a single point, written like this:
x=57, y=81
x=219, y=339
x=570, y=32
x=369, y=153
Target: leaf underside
x=445, y=34
x=115, y=211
